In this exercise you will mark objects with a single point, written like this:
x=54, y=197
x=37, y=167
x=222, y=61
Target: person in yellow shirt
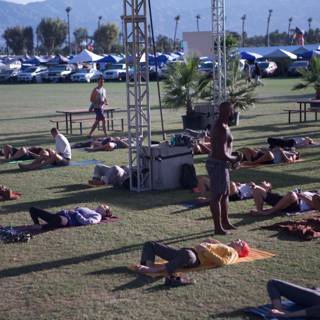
x=208, y=253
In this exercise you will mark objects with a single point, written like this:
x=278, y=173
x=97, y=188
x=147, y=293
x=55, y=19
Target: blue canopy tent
x=36, y=60
x=110, y=58
x=312, y=53
x=58, y=59
x=250, y=56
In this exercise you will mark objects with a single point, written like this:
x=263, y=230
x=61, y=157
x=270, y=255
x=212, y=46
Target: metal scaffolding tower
x=138, y=106
x=218, y=51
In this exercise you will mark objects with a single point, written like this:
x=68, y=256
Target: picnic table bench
x=303, y=110
x=82, y=116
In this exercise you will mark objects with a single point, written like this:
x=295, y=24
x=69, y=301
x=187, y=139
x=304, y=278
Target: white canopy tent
x=85, y=56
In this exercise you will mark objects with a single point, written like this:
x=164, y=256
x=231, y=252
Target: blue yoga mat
x=193, y=204
x=264, y=310
x=84, y=163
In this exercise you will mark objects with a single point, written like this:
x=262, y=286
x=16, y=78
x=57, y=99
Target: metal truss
x=138, y=105
x=218, y=51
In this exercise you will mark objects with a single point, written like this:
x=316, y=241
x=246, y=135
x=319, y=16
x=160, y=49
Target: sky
x=23, y=1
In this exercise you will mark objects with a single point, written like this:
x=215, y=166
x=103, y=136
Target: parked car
x=32, y=74
x=116, y=72
x=58, y=73
x=294, y=68
x=206, y=68
x=85, y=75
x=8, y=75
x=268, y=68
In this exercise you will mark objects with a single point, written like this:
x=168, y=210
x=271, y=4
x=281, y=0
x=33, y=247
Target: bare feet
x=229, y=226
x=278, y=313
x=222, y=232
x=145, y=269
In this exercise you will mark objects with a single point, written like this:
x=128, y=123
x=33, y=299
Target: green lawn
x=80, y=273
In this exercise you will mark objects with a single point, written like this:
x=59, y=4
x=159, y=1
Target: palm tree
x=289, y=28
x=183, y=84
x=241, y=94
x=243, y=18
x=309, y=24
x=310, y=77
x=198, y=18
x=268, y=25
x=99, y=21
x=176, y=18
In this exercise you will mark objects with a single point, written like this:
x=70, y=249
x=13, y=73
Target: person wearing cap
x=211, y=253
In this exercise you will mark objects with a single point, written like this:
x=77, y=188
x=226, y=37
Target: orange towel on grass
x=253, y=165
x=255, y=254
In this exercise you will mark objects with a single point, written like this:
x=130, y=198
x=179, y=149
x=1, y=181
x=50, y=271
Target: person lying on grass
x=252, y=156
x=293, y=201
x=238, y=190
x=211, y=252
x=309, y=299
x=69, y=218
x=12, y=153
x=294, y=142
x=109, y=175
x=108, y=144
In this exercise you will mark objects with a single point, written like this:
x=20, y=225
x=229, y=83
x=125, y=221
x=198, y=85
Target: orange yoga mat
x=253, y=165
x=255, y=254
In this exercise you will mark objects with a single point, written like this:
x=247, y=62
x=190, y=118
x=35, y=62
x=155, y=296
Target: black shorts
x=235, y=197
x=273, y=198
x=61, y=163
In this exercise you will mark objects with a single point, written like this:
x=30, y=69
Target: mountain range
x=85, y=13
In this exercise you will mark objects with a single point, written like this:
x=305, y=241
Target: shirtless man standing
x=218, y=165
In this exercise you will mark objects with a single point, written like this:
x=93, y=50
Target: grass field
x=80, y=273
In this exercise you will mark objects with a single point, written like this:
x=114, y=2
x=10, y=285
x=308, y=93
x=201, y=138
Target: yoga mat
x=253, y=165
x=264, y=310
x=193, y=204
x=255, y=254
x=84, y=163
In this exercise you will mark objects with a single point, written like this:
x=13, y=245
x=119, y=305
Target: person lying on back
x=68, y=218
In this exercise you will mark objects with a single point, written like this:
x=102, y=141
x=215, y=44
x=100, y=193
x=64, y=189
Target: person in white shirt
x=98, y=100
x=59, y=157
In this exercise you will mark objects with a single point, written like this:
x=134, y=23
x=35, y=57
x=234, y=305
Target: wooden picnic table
x=70, y=113
x=303, y=108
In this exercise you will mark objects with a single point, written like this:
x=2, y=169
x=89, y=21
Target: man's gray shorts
x=218, y=172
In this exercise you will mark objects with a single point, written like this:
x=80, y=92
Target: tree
x=164, y=44
x=105, y=37
x=28, y=39
x=14, y=39
x=52, y=33
x=80, y=35
x=177, y=19
x=310, y=77
x=183, y=84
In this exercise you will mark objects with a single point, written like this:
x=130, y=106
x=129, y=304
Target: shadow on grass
x=234, y=314
x=122, y=198
x=49, y=265
x=70, y=188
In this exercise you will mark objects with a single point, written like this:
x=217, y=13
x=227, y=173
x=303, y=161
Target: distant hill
x=85, y=13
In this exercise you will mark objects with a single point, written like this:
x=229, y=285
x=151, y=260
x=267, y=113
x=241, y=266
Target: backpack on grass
x=188, y=177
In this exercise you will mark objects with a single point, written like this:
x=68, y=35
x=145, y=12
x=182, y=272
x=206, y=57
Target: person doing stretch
x=12, y=153
x=208, y=253
x=68, y=218
x=293, y=201
x=60, y=157
x=309, y=299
